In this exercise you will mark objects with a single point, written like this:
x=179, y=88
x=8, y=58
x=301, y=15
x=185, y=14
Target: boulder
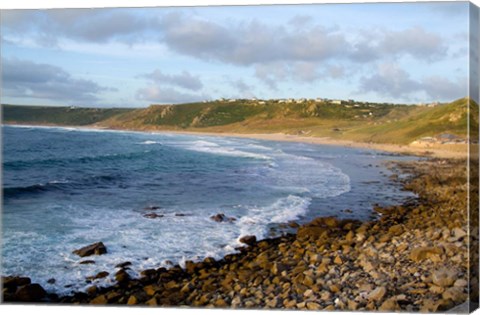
x=248, y=239
x=93, y=249
x=30, y=293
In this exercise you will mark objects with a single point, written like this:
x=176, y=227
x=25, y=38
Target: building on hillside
x=336, y=102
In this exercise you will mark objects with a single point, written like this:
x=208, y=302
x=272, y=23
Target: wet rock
x=93, y=249
x=153, y=215
x=51, y=280
x=123, y=265
x=220, y=217
x=87, y=262
x=122, y=276
x=248, y=239
x=30, y=293
x=13, y=281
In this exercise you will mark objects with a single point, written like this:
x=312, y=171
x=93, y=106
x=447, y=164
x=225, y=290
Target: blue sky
x=391, y=52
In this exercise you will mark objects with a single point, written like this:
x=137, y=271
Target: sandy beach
x=432, y=150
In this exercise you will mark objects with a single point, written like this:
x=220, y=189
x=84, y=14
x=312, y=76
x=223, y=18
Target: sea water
x=64, y=188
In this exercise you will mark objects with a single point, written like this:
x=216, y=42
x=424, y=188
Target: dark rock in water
x=153, y=215
x=152, y=208
x=293, y=224
x=13, y=282
x=51, y=280
x=93, y=249
x=180, y=214
x=122, y=276
x=248, y=239
x=220, y=217
x=30, y=293
x=87, y=262
x=123, y=265
x=100, y=275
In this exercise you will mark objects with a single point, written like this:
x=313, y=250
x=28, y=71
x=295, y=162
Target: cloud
x=414, y=41
x=167, y=95
x=392, y=81
x=243, y=42
x=184, y=79
x=97, y=25
x=22, y=78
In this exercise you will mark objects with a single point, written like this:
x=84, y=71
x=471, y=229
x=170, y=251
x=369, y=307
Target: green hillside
x=366, y=122
x=64, y=116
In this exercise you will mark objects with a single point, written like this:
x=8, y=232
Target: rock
x=122, y=276
x=87, y=262
x=132, y=300
x=93, y=249
x=101, y=299
x=123, y=265
x=419, y=254
x=459, y=233
x=13, y=282
x=101, y=274
x=338, y=260
x=153, y=215
x=248, y=239
x=51, y=280
x=313, y=306
x=389, y=305
x=180, y=214
x=377, y=294
x=444, y=277
x=152, y=302
x=460, y=283
x=30, y=293
x=220, y=303
x=455, y=294
x=92, y=290
x=395, y=230
x=293, y=224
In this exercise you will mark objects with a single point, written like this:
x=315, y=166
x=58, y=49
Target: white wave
x=215, y=148
x=282, y=211
x=150, y=142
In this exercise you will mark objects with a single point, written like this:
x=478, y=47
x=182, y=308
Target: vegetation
x=366, y=122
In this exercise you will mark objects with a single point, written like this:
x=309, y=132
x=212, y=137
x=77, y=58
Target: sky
x=134, y=57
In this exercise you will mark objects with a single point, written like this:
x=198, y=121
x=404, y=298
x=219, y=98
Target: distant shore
x=428, y=150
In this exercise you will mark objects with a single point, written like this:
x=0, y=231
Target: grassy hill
x=63, y=116
x=366, y=122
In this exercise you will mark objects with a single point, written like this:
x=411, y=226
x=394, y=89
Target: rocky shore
x=414, y=257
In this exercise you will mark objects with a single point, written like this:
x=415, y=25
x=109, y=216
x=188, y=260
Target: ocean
x=65, y=188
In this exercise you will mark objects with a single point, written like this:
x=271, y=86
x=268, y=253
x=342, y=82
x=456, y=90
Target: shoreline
x=389, y=264
x=439, y=150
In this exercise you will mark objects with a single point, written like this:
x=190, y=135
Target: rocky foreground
x=413, y=258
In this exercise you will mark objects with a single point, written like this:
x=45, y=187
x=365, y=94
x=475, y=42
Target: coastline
x=413, y=258
x=430, y=150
